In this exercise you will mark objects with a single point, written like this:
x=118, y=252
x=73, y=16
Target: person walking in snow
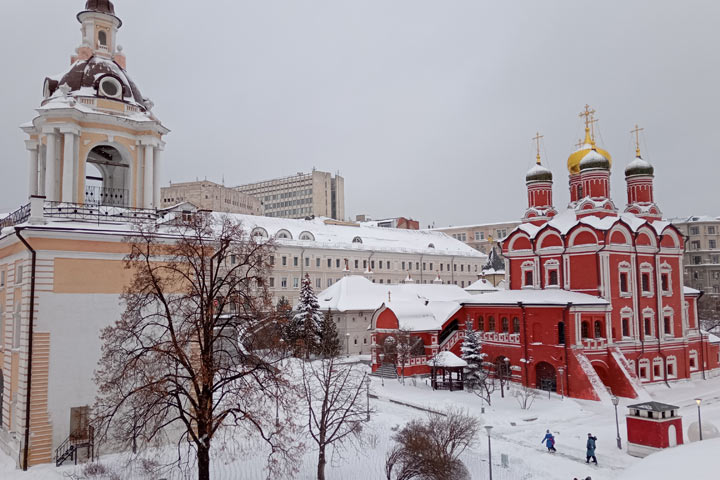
x=590, y=445
x=549, y=441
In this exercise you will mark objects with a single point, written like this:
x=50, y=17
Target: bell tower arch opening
x=107, y=177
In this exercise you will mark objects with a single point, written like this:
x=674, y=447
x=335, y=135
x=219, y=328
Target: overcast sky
x=426, y=107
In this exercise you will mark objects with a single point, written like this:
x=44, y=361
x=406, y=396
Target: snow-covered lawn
x=516, y=433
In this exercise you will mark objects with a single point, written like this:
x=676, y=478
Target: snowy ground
x=516, y=433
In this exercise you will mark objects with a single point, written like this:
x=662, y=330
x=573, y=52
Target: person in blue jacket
x=590, y=449
x=549, y=441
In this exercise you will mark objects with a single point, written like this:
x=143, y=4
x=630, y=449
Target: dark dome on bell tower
x=102, y=6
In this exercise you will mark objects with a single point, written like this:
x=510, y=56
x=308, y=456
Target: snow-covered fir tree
x=329, y=340
x=471, y=352
x=306, y=323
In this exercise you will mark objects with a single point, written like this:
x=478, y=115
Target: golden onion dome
x=573, y=163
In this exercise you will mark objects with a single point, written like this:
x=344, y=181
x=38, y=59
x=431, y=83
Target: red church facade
x=595, y=300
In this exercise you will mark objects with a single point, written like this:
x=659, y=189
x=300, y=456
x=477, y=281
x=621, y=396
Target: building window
x=644, y=369
x=657, y=368
x=329, y=282
x=648, y=324
x=284, y=260
x=431, y=266
x=295, y=261
x=271, y=282
x=528, y=277
x=102, y=38
x=329, y=262
x=711, y=230
x=307, y=261
x=372, y=264
x=491, y=323
x=337, y=263
x=695, y=245
x=625, y=327
x=283, y=282
x=296, y=282
x=505, y=325
x=598, y=329
x=585, y=330
x=481, y=323
x=527, y=274
x=357, y=263
x=712, y=244
x=693, y=360
x=17, y=326
x=671, y=366
x=561, y=333
x=694, y=230
x=2, y=278
x=272, y=259
x=19, y=275
x=552, y=267
x=646, y=279
x=318, y=283
x=516, y=325
x=697, y=260
x=317, y=262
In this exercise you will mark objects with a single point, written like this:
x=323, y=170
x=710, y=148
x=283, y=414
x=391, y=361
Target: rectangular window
x=697, y=260
x=380, y=265
x=329, y=282
x=712, y=244
x=553, y=277
x=372, y=264
x=2, y=278
x=424, y=266
x=284, y=260
x=317, y=262
x=695, y=245
x=668, y=325
x=403, y=266
x=357, y=262
x=296, y=282
x=307, y=261
x=646, y=282
x=271, y=281
x=431, y=266
x=648, y=326
x=694, y=230
x=441, y=267
x=283, y=282
x=528, y=278
x=318, y=283
x=417, y=266
x=625, y=327
x=329, y=260
x=462, y=267
x=711, y=230
x=19, y=275
x=295, y=261
x=337, y=263
x=665, y=279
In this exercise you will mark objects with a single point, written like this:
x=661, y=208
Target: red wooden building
x=596, y=298
x=652, y=426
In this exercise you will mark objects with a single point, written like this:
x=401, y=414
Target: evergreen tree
x=329, y=340
x=471, y=352
x=307, y=321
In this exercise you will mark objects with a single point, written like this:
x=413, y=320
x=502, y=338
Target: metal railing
x=106, y=196
x=18, y=216
x=99, y=213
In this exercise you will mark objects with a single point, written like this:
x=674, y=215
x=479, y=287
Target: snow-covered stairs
x=386, y=370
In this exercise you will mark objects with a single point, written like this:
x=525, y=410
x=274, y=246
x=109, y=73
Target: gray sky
x=426, y=107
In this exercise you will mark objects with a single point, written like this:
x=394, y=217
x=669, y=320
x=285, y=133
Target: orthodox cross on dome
x=593, y=121
x=580, y=143
x=637, y=131
x=537, y=138
x=588, y=114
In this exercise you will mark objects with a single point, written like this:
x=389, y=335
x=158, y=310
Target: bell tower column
x=50, y=158
x=69, y=161
x=156, y=177
x=148, y=190
x=33, y=170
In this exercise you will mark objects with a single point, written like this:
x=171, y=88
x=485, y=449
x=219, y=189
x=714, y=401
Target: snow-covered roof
x=357, y=293
x=690, y=291
x=361, y=238
x=536, y=297
x=567, y=219
x=447, y=359
x=694, y=219
x=414, y=316
x=481, y=285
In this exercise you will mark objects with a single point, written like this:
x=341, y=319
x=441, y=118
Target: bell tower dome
x=539, y=182
x=95, y=140
x=639, y=175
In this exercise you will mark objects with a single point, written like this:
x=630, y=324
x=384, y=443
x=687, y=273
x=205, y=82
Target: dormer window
x=110, y=87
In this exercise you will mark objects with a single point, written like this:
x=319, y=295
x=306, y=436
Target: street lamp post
x=615, y=401
x=488, y=428
x=347, y=342
x=561, y=371
x=699, y=401
x=367, y=386
x=382, y=375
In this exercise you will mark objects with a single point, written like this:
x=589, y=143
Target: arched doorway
x=545, y=377
x=389, y=350
x=672, y=436
x=107, y=177
x=602, y=372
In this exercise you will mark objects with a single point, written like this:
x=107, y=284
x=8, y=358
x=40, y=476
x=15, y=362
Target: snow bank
x=695, y=460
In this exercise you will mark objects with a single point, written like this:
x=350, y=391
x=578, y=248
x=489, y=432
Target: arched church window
x=598, y=329
x=102, y=38
x=585, y=330
x=505, y=325
x=516, y=325
x=491, y=323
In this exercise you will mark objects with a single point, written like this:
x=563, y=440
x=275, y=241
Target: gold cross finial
x=587, y=113
x=537, y=138
x=593, y=121
x=580, y=143
x=637, y=131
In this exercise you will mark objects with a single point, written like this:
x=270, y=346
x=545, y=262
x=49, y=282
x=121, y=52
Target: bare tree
x=709, y=313
x=406, y=345
x=334, y=396
x=430, y=449
x=184, y=358
x=525, y=396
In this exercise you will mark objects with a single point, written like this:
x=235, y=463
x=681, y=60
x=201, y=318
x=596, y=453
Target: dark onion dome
x=594, y=160
x=99, y=77
x=538, y=173
x=639, y=167
x=100, y=6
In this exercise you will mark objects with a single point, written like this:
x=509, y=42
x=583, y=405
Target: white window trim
x=627, y=313
x=624, y=267
x=551, y=265
x=694, y=356
x=668, y=312
x=528, y=266
x=657, y=361
x=648, y=313
x=671, y=360
x=666, y=269
x=647, y=268
x=644, y=363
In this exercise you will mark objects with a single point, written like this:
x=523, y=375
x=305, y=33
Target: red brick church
x=595, y=299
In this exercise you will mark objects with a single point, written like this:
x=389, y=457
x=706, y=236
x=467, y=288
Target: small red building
x=652, y=426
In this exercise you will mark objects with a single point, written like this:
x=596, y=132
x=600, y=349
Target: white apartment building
x=328, y=251
x=702, y=252
x=482, y=236
x=303, y=195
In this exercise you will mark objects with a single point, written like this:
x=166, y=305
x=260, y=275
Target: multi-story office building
x=207, y=195
x=392, y=222
x=481, y=237
x=328, y=251
x=316, y=193
x=702, y=252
